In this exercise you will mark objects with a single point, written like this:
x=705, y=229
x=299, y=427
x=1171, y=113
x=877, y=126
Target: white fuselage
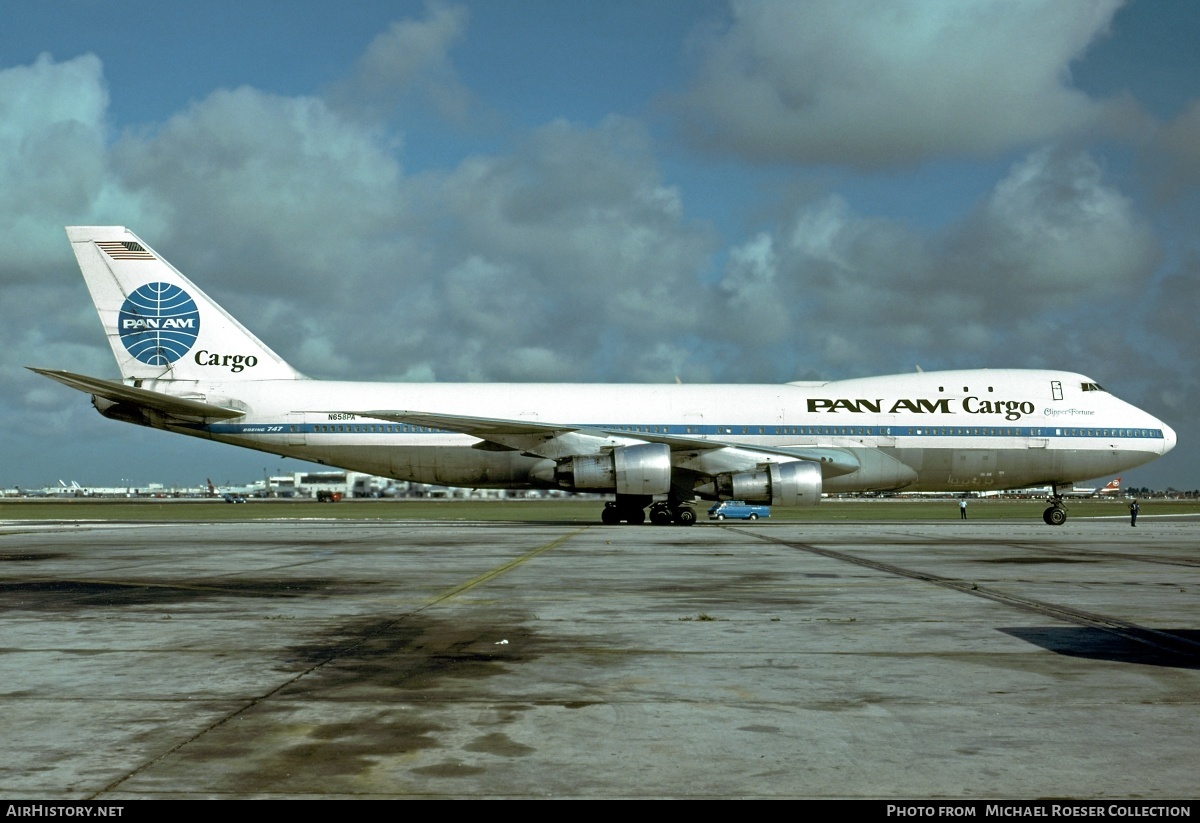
x=960, y=430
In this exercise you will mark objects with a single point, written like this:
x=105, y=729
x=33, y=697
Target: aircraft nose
x=1168, y=438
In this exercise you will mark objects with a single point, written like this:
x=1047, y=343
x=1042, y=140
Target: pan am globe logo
x=158, y=323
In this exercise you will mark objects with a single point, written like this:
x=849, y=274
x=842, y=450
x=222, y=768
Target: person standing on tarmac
x=1134, y=508
x=962, y=508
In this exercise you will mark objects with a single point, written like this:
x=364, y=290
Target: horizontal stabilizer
x=143, y=398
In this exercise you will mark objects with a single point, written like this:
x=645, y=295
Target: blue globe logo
x=158, y=323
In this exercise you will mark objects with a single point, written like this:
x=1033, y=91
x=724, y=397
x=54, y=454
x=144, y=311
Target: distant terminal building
x=302, y=485
x=355, y=484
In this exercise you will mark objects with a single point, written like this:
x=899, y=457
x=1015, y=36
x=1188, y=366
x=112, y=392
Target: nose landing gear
x=1056, y=513
x=1054, y=516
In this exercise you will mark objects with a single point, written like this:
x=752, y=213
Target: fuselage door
x=887, y=431
x=295, y=429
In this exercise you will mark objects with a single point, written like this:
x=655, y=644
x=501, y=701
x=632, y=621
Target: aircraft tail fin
x=159, y=324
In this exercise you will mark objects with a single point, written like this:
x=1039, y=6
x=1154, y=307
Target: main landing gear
x=1056, y=513
x=630, y=508
x=615, y=513
x=667, y=514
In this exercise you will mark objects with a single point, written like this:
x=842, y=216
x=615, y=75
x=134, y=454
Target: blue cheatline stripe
x=342, y=428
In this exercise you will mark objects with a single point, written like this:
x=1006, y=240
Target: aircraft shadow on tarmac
x=1175, y=648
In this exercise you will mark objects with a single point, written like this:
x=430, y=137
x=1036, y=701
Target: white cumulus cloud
x=53, y=160
x=872, y=84
x=846, y=293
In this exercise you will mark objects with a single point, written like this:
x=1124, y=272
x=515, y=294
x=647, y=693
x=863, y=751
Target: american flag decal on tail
x=124, y=250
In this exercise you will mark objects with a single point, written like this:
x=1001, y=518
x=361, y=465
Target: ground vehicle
x=738, y=509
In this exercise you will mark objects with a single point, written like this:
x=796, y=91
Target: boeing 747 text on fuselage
x=188, y=366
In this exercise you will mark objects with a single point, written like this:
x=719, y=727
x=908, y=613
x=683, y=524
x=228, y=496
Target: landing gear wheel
x=685, y=516
x=610, y=516
x=1054, y=516
x=660, y=515
x=636, y=517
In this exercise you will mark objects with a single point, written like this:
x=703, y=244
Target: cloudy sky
x=618, y=191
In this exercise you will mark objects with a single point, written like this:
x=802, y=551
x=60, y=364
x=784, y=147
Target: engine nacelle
x=778, y=484
x=642, y=469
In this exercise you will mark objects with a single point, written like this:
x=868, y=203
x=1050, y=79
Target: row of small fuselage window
x=848, y=431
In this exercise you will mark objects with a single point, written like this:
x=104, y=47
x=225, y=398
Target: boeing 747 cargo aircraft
x=187, y=366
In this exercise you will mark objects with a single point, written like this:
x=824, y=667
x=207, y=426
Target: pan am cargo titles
x=1008, y=409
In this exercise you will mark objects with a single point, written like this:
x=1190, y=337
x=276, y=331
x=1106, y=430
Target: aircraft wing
x=143, y=398
x=480, y=427
x=556, y=440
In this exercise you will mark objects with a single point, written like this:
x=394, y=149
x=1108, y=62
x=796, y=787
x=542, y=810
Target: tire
x=610, y=516
x=1056, y=516
x=636, y=517
x=685, y=517
x=753, y=516
x=720, y=517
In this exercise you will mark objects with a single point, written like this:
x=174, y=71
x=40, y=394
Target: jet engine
x=641, y=469
x=776, y=484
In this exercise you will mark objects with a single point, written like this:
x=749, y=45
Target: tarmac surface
x=301, y=659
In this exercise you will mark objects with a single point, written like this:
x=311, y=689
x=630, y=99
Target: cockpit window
x=1092, y=387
